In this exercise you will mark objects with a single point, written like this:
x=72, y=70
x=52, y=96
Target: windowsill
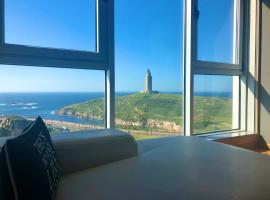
x=225, y=134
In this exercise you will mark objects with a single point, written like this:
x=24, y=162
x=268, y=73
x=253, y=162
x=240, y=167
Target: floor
x=252, y=142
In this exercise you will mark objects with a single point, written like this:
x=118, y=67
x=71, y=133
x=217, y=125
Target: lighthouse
x=148, y=82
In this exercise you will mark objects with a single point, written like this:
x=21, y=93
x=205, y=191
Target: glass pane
x=216, y=31
x=213, y=96
x=68, y=100
x=149, y=103
x=52, y=23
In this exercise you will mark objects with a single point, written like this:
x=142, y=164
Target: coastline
x=72, y=126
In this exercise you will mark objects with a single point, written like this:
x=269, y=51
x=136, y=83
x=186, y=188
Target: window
x=213, y=103
x=217, y=48
x=213, y=73
x=65, y=25
x=67, y=99
x=165, y=68
x=61, y=34
x=217, y=43
x=46, y=44
x=149, y=68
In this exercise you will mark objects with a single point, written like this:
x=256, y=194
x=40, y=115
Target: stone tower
x=148, y=82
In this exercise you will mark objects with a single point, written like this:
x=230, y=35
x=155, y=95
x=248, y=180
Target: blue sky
x=148, y=35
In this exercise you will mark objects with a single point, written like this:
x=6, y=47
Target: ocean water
x=31, y=105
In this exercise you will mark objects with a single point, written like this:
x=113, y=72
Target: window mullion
x=188, y=73
x=110, y=73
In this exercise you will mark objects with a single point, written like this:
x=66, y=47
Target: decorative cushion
x=1, y=189
x=28, y=165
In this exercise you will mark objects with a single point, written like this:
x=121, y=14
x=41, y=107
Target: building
x=148, y=82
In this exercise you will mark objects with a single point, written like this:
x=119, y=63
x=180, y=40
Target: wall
x=265, y=73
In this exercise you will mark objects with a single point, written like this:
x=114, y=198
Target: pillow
x=28, y=165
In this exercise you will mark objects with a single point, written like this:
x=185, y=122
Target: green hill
x=12, y=125
x=161, y=112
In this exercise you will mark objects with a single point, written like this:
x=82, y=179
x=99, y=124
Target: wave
x=29, y=107
x=31, y=104
x=3, y=104
x=23, y=104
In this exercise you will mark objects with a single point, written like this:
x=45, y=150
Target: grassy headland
x=143, y=115
x=158, y=112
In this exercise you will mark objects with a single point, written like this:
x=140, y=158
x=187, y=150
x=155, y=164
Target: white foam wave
x=23, y=104
x=29, y=107
x=31, y=104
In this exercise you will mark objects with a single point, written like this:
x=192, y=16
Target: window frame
x=239, y=71
x=102, y=59
x=15, y=54
x=219, y=68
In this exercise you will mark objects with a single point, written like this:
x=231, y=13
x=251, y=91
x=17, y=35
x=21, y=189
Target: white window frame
x=215, y=68
x=102, y=59
x=239, y=71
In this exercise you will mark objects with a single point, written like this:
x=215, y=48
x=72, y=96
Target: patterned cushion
x=28, y=164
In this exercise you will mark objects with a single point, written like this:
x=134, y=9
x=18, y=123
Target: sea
x=31, y=105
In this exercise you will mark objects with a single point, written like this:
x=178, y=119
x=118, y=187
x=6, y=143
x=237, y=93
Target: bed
x=174, y=168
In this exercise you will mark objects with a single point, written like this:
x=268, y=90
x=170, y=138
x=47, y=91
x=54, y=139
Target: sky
x=148, y=34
